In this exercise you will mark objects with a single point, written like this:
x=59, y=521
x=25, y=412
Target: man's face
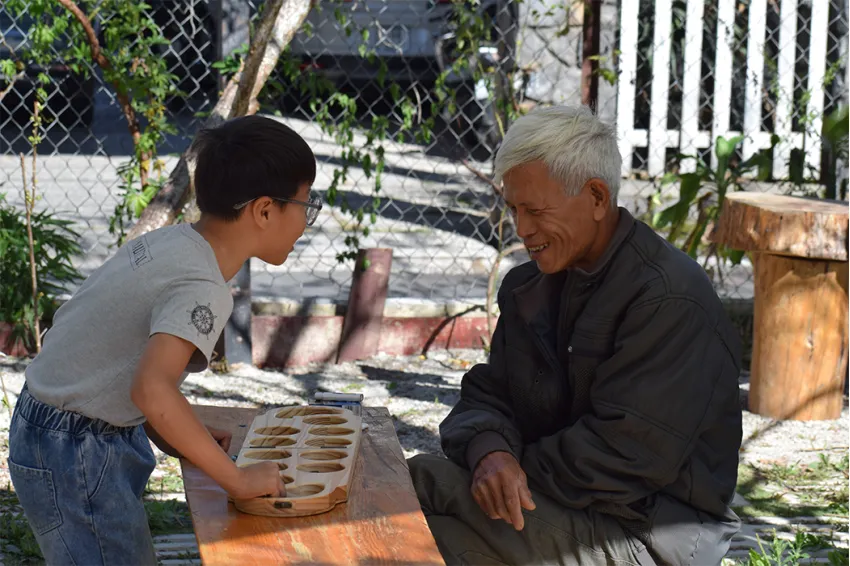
x=558, y=230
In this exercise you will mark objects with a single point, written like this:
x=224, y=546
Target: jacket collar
x=533, y=297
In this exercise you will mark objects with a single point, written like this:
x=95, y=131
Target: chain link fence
x=435, y=208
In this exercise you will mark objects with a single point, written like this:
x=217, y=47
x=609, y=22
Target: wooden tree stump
x=799, y=251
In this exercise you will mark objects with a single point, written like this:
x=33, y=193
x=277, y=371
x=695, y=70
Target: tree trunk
x=281, y=20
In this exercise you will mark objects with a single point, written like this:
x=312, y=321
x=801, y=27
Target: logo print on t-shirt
x=202, y=318
x=140, y=252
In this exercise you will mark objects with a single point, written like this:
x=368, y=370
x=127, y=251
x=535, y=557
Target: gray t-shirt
x=167, y=281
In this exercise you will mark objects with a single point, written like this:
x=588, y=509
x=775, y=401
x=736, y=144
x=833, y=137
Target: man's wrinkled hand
x=500, y=487
x=223, y=437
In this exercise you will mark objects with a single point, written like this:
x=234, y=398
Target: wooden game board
x=314, y=446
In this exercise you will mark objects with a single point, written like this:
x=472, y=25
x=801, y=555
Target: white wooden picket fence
x=690, y=137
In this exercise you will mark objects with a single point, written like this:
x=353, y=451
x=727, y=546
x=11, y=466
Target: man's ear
x=601, y=196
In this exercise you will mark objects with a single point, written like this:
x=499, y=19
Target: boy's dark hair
x=246, y=158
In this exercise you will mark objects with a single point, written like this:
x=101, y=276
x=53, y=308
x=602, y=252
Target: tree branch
x=281, y=20
x=12, y=82
x=483, y=177
x=120, y=92
x=29, y=203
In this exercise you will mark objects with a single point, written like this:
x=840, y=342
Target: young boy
x=109, y=373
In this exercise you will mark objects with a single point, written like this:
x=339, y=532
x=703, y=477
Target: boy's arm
x=155, y=392
x=160, y=441
x=222, y=437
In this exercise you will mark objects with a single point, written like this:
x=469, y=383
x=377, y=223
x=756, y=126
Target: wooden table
x=799, y=251
x=382, y=522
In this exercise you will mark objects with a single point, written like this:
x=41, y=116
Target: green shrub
x=55, y=243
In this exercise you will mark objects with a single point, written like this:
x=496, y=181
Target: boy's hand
x=258, y=480
x=223, y=437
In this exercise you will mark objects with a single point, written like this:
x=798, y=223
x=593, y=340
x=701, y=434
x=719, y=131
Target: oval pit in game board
x=267, y=454
x=271, y=441
x=325, y=420
x=277, y=431
x=330, y=431
x=324, y=455
x=321, y=468
x=287, y=479
x=305, y=490
x=292, y=412
x=329, y=442
x=280, y=465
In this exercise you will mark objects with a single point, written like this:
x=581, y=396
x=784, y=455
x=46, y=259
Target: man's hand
x=499, y=486
x=223, y=437
x=257, y=480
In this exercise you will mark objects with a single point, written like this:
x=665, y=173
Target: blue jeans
x=80, y=482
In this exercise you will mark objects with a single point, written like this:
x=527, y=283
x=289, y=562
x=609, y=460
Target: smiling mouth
x=535, y=249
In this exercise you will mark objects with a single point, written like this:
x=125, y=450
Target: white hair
x=574, y=144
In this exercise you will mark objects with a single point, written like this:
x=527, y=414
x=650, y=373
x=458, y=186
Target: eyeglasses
x=312, y=207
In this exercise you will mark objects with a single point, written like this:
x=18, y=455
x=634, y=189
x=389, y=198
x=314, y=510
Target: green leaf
x=668, y=178
x=760, y=161
x=797, y=166
x=8, y=68
x=383, y=70
x=835, y=125
x=695, y=239
x=609, y=75
x=689, y=186
x=724, y=149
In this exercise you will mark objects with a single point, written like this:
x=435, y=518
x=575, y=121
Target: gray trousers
x=552, y=534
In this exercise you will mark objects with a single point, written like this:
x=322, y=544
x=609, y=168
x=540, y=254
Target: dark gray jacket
x=615, y=388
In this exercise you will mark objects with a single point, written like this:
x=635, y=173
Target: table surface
x=381, y=523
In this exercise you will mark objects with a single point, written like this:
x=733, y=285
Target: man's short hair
x=574, y=144
x=246, y=158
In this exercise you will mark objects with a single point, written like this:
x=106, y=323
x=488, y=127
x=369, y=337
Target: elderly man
x=606, y=426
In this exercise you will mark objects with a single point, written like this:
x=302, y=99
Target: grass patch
x=168, y=517
x=780, y=552
x=201, y=391
x=407, y=413
x=168, y=478
x=164, y=484
x=818, y=488
x=17, y=541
